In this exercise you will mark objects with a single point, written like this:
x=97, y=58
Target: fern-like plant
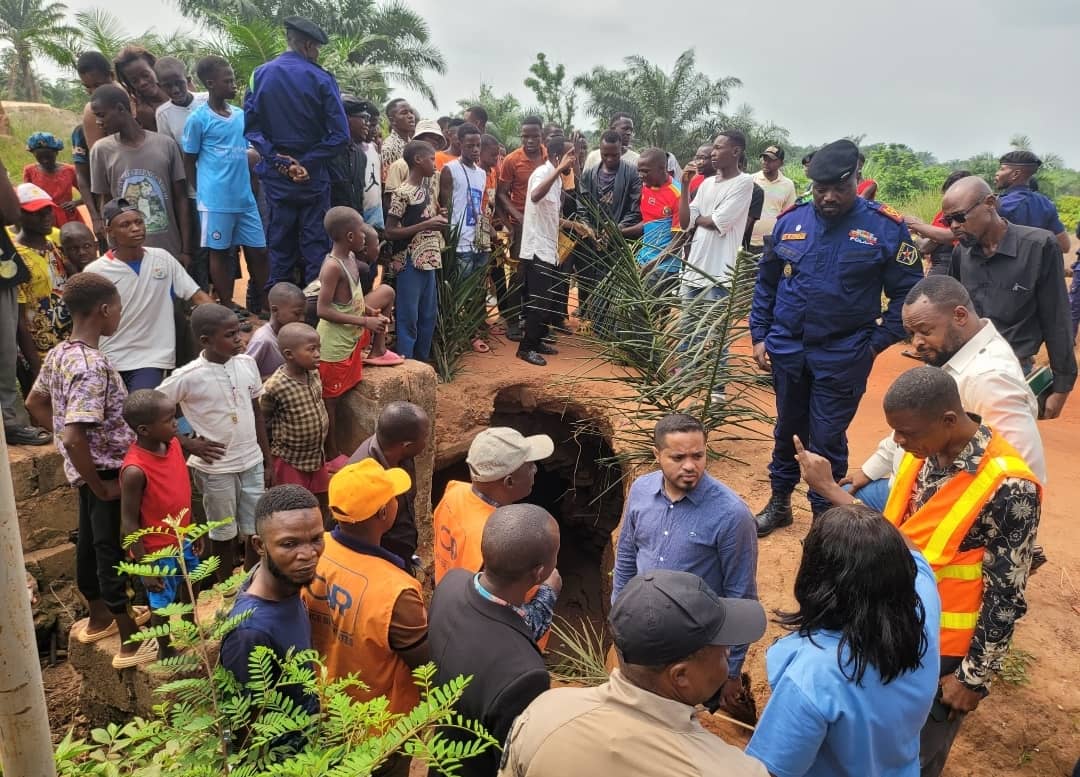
x=208, y=725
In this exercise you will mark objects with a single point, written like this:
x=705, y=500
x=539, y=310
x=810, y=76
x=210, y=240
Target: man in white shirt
x=718, y=215
x=779, y=194
x=540, y=248
x=946, y=332
x=144, y=347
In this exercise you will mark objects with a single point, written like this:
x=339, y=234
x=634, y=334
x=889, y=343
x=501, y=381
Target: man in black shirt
x=1015, y=276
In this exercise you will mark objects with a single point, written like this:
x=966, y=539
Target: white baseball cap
x=500, y=451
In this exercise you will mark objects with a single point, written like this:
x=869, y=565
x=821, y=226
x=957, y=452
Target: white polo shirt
x=991, y=385
x=540, y=227
x=147, y=335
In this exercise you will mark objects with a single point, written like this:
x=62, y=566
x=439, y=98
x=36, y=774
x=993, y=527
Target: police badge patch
x=862, y=237
x=908, y=254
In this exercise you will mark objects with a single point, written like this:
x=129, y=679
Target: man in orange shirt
x=502, y=466
x=367, y=613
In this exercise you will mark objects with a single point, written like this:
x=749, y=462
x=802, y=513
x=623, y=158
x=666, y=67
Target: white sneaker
x=718, y=397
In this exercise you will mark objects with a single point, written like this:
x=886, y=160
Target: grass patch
x=1014, y=667
x=26, y=119
x=581, y=659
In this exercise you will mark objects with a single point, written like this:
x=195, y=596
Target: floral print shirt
x=1006, y=527
x=85, y=389
x=412, y=204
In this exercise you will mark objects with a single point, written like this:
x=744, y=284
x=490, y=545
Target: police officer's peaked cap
x=834, y=163
x=306, y=27
x=1020, y=158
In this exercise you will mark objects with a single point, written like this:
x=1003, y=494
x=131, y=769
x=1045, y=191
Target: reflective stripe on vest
x=939, y=527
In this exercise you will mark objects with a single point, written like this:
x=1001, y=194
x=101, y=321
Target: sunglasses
x=948, y=219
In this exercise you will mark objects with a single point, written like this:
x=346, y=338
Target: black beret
x=306, y=27
x=1020, y=158
x=834, y=162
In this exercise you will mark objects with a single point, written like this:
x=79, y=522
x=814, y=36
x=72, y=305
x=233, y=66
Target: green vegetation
x=26, y=121
x=207, y=724
x=580, y=653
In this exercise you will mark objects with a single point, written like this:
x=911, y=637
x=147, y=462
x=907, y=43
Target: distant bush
x=1069, y=211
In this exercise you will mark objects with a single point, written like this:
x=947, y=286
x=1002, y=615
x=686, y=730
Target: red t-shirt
x=864, y=184
x=167, y=491
x=58, y=185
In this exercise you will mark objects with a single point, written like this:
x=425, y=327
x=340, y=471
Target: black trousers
x=98, y=550
x=541, y=306
x=510, y=295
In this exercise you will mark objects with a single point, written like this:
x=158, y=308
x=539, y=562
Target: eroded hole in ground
x=582, y=489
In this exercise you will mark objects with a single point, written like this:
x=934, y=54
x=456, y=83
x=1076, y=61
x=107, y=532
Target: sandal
x=147, y=653
x=139, y=613
x=497, y=329
x=480, y=346
x=27, y=435
x=386, y=359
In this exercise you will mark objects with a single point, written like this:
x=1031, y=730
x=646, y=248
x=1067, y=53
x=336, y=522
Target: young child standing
x=296, y=418
x=57, y=179
x=215, y=152
x=415, y=225
x=154, y=484
x=287, y=306
x=218, y=393
x=346, y=319
x=80, y=396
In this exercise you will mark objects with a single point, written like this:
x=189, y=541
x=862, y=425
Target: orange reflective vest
x=350, y=603
x=939, y=527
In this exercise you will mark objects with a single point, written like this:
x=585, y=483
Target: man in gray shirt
x=1016, y=278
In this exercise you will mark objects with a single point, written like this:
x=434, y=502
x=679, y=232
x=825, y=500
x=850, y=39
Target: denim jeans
x=416, y=310
x=690, y=294
x=874, y=494
x=471, y=261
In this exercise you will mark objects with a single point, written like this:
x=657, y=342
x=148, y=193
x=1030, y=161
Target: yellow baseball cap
x=358, y=491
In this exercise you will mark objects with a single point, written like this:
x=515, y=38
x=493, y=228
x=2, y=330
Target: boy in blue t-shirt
x=215, y=150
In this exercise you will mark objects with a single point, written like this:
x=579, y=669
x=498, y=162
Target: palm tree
x=672, y=111
x=389, y=37
x=504, y=114
x=33, y=28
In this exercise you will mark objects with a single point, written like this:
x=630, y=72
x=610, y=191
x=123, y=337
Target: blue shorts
x=167, y=595
x=222, y=231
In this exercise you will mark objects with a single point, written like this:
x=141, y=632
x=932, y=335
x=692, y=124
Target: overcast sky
x=955, y=78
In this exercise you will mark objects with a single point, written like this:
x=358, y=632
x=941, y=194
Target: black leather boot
x=775, y=515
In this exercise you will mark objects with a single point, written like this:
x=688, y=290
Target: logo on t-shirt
x=147, y=191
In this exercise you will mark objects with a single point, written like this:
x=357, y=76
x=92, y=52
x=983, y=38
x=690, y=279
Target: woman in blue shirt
x=853, y=683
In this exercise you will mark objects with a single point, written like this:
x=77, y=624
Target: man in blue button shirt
x=1019, y=204
x=295, y=120
x=682, y=518
x=816, y=320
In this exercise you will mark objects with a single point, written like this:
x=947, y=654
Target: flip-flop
x=386, y=359
x=497, y=329
x=336, y=464
x=90, y=637
x=27, y=435
x=480, y=346
x=147, y=653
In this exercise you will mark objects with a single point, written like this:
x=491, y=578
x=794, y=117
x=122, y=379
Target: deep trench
x=580, y=486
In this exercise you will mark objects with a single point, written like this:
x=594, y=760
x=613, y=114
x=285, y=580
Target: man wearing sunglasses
x=1015, y=278
x=817, y=320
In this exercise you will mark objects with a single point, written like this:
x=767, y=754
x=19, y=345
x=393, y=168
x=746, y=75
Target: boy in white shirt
x=144, y=347
x=219, y=395
x=540, y=249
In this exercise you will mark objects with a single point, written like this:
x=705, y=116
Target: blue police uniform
x=294, y=107
x=1020, y=205
x=816, y=307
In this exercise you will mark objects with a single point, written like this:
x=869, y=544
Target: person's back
x=472, y=635
x=591, y=731
x=458, y=523
x=867, y=729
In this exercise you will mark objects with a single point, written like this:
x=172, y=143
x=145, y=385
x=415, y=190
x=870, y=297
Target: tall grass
x=925, y=205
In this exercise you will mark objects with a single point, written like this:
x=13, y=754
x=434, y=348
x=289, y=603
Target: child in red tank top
x=154, y=485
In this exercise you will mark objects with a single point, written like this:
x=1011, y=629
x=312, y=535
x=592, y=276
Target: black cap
x=354, y=106
x=664, y=616
x=1021, y=158
x=776, y=152
x=306, y=27
x=114, y=208
x=835, y=162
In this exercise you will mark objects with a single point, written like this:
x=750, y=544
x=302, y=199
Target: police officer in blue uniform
x=1020, y=203
x=816, y=319
x=294, y=118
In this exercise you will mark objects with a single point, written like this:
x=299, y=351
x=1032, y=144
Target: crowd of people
x=913, y=571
